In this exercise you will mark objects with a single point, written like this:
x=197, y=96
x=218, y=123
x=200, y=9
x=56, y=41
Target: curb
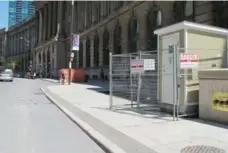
x=50, y=81
x=97, y=137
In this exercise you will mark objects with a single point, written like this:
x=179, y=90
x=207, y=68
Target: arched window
x=153, y=22
x=133, y=31
x=88, y=52
x=44, y=58
x=117, y=39
x=96, y=50
x=81, y=55
x=39, y=58
x=106, y=48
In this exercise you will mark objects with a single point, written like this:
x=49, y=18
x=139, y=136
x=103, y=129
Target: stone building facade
x=51, y=47
x=21, y=40
x=2, y=41
x=110, y=26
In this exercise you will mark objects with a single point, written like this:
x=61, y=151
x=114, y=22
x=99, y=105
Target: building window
x=184, y=10
x=133, y=31
x=117, y=39
x=189, y=10
x=107, y=8
x=102, y=6
x=119, y=4
x=153, y=21
x=178, y=10
x=88, y=52
x=106, y=48
x=64, y=9
x=89, y=14
x=97, y=10
x=96, y=50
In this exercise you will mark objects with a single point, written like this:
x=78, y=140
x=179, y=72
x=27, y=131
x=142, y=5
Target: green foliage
x=10, y=65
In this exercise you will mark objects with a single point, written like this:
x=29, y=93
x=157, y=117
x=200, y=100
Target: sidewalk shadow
x=146, y=111
x=211, y=123
x=98, y=85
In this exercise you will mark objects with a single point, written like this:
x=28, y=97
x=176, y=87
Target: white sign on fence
x=188, y=61
x=149, y=64
x=137, y=66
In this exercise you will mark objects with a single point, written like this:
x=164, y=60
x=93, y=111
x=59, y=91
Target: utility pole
x=71, y=41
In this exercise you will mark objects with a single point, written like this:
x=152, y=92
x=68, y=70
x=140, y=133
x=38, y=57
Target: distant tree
x=11, y=65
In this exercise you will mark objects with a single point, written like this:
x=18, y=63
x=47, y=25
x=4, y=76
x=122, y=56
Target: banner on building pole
x=75, y=43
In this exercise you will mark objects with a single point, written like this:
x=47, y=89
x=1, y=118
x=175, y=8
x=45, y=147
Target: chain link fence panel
x=129, y=89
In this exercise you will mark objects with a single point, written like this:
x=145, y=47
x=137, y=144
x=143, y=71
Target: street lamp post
x=71, y=54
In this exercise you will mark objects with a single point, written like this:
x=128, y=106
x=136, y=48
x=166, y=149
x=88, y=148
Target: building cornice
x=22, y=23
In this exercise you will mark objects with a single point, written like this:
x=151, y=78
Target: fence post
x=131, y=90
x=110, y=81
x=139, y=83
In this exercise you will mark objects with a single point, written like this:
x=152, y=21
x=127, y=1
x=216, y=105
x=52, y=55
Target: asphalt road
x=29, y=123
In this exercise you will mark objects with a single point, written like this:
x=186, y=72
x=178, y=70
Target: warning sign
x=137, y=66
x=188, y=61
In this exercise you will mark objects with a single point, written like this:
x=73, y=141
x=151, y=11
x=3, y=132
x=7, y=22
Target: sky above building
x=4, y=13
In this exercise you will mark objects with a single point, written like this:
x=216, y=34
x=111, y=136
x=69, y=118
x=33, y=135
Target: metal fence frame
x=176, y=75
x=174, y=50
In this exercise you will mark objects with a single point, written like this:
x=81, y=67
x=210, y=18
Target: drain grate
x=202, y=149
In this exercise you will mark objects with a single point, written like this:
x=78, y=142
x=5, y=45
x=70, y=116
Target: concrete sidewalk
x=125, y=131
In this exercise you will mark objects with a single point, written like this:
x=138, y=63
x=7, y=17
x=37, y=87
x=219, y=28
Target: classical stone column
x=60, y=17
x=40, y=25
x=42, y=62
x=93, y=11
x=37, y=60
x=75, y=26
x=84, y=52
x=111, y=40
x=55, y=57
x=50, y=50
x=44, y=23
x=92, y=50
x=46, y=61
x=49, y=25
x=101, y=48
x=142, y=20
x=54, y=17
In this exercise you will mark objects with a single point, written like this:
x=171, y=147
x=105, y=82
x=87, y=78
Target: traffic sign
x=188, y=61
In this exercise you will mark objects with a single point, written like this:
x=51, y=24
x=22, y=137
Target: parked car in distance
x=17, y=75
x=6, y=75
